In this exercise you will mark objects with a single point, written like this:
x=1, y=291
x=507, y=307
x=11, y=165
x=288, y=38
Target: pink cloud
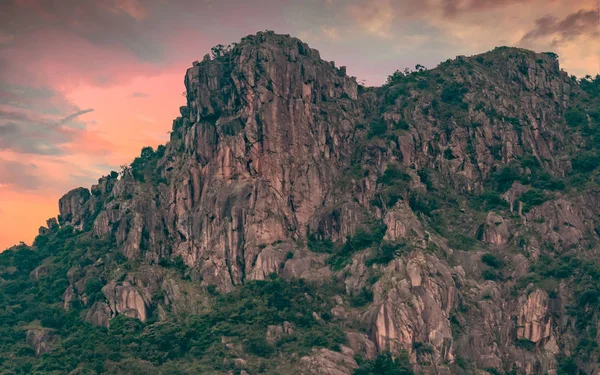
x=64, y=61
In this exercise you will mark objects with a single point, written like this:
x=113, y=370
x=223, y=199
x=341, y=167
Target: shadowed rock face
x=40, y=340
x=275, y=144
x=72, y=207
x=254, y=158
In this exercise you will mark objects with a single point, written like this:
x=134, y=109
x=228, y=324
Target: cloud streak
x=138, y=94
x=574, y=25
x=74, y=116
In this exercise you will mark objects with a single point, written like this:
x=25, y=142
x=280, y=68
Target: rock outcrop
x=122, y=299
x=40, y=340
x=534, y=322
x=360, y=344
x=496, y=230
x=412, y=305
x=100, y=314
x=72, y=207
x=327, y=362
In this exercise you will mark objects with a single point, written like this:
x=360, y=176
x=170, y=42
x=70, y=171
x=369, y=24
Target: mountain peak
x=296, y=221
x=265, y=64
x=262, y=40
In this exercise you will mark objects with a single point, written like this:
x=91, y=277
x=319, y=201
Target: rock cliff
x=450, y=215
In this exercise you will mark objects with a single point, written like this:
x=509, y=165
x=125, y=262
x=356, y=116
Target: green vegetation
x=363, y=239
x=585, y=162
x=393, y=174
x=583, y=277
x=395, y=183
x=144, y=166
x=584, y=117
x=180, y=344
x=492, y=261
x=386, y=252
x=395, y=78
x=385, y=364
x=319, y=246
x=460, y=241
x=423, y=203
x=448, y=155
x=525, y=344
x=488, y=201
x=130, y=345
x=362, y=298
x=377, y=128
x=575, y=117
x=401, y=125
x=400, y=77
x=532, y=198
x=453, y=93
x=568, y=366
x=423, y=348
x=503, y=179
x=489, y=274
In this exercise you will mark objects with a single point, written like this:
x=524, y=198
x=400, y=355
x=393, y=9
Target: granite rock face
x=327, y=362
x=125, y=299
x=496, y=230
x=254, y=158
x=534, y=320
x=412, y=304
x=276, y=150
x=40, y=340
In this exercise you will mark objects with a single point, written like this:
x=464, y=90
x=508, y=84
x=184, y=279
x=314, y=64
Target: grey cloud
x=8, y=129
x=139, y=95
x=23, y=133
x=14, y=116
x=23, y=176
x=41, y=100
x=102, y=22
x=22, y=138
x=148, y=37
x=456, y=7
x=583, y=22
x=450, y=8
x=27, y=91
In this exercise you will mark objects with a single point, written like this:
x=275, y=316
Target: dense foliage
x=385, y=364
x=179, y=345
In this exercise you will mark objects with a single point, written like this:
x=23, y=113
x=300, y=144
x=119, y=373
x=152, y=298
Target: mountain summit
x=298, y=222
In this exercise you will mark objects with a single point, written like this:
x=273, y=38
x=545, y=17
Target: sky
x=84, y=85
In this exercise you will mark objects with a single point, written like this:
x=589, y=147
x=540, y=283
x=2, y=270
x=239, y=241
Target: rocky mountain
x=297, y=222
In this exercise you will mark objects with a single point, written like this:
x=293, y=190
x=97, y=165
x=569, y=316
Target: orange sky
x=84, y=85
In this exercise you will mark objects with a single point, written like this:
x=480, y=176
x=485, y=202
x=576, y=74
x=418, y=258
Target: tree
x=575, y=117
x=217, y=51
x=385, y=364
x=394, y=78
x=220, y=50
x=585, y=162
